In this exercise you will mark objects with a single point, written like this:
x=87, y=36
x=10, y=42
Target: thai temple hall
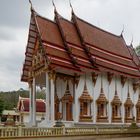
x=90, y=76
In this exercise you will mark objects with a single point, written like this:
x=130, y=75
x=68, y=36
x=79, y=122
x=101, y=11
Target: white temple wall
x=110, y=98
x=135, y=96
x=78, y=92
x=97, y=90
x=94, y=91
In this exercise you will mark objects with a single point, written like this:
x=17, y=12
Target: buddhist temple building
x=23, y=109
x=90, y=76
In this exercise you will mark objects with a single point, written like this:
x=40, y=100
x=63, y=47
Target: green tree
x=137, y=49
x=1, y=107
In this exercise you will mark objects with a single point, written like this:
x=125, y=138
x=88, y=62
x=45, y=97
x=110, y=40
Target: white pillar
x=52, y=101
x=76, y=106
x=31, y=102
x=109, y=105
x=34, y=103
x=134, y=107
x=122, y=107
x=94, y=106
x=47, y=99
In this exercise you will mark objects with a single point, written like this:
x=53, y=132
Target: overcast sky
x=110, y=15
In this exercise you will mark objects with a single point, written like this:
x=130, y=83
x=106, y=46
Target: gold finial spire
x=102, y=83
x=85, y=85
x=115, y=85
x=128, y=90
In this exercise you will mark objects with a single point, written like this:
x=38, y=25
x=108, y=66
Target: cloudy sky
x=110, y=15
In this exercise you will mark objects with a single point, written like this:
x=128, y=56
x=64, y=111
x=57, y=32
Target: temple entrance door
x=68, y=112
x=85, y=108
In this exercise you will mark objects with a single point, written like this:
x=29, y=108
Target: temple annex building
x=90, y=76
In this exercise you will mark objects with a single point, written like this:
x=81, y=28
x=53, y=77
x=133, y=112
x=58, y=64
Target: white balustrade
x=6, y=132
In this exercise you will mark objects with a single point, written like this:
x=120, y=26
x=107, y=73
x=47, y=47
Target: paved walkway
x=81, y=138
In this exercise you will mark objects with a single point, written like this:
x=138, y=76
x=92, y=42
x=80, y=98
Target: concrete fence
x=6, y=132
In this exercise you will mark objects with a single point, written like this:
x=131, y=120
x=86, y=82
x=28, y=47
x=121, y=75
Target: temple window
x=85, y=106
x=128, y=105
x=57, y=102
x=67, y=104
x=102, y=109
x=116, y=107
x=102, y=106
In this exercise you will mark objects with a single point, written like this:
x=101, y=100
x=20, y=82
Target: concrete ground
x=79, y=138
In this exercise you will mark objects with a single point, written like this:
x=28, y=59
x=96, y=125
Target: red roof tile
x=23, y=105
x=65, y=40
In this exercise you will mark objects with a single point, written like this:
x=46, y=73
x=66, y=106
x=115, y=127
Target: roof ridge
x=103, y=30
x=45, y=18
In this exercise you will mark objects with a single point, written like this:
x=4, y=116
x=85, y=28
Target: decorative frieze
x=52, y=75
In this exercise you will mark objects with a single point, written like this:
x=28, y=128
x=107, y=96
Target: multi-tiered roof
x=78, y=46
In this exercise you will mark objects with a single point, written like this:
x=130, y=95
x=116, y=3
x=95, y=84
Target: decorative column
x=138, y=110
x=34, y=103
x=109, y=77
x=128, y=108
x=76, y=109
x=47, y=98
x=52, y=100
x=30, y=102
x=94, y=79
x=123, y=80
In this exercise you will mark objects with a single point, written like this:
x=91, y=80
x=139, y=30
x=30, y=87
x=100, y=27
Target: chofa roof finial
x=54, y=6
x=31, y=5
x=122, y=30
x=131, y=43
x=71, y=6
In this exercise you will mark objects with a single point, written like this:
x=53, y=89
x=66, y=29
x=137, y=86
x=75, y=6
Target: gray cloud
x=13, y=13
x=14, y=23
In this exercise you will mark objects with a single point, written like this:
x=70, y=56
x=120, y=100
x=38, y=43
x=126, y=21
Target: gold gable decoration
x=116, y=100
x=128, y=101
x=85, y=97
x=102, y=98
